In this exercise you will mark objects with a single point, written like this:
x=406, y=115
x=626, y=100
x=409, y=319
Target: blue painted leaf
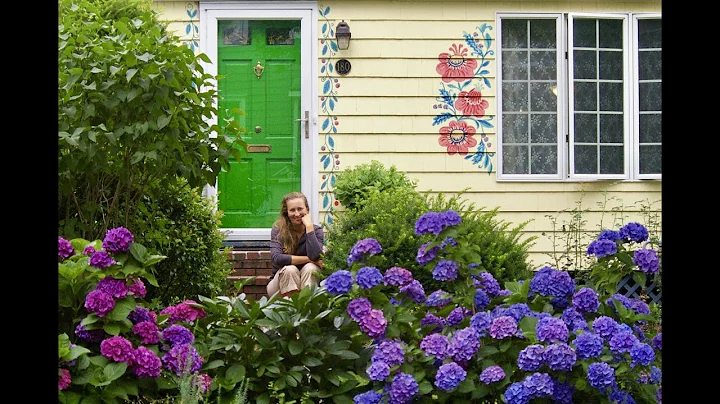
x=335, y=98
x=324, y=28
x=192, y=14
x=483, y=72
x=334, y=129
x=331, y=142
x=187, y=29
x=327, y=11
x=323, y=157
x=326, y=201
x=441, y=118
x=487, y=82
x=332, y=104
x=486, y=124
x=333, y=45
x=326, y=86
x=329, y=219
x=322, y=186
x=332, y=180
x=488, y=40
x=322, y=69
x=485, y=63
x=330, y=67
x=326, y=163
x=325, y=123
x=324, y=49
x=197, y=28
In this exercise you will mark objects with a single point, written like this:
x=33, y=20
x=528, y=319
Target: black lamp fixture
x=342, y=34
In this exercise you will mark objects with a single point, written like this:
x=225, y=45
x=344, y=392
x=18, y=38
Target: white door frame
x=306, y=11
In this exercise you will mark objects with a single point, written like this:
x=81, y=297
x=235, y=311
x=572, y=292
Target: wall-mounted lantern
x=342, y=34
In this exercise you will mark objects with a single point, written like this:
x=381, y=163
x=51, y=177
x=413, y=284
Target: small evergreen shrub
x=176, y=221
x=354, y=185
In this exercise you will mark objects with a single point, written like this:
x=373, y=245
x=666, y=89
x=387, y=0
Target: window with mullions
x=580, y=96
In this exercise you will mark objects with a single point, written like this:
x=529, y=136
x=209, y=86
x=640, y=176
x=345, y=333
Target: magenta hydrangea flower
x=358, y=308
x=117, y=240
x=117, y=348
x=99, y=302
x=184, y=311
x=363, y=249
x=647, y=260
x=492, y=374
x=148, y=332
x=137, y=288
x=183, y=359
x=89, y=250
x=373, y=324
x=101, y=260
x=146, y=363
x=503, y=327
x=64, y=379
x=202, y=382
x=113, y=287
x=65, y=249
x=178, y=335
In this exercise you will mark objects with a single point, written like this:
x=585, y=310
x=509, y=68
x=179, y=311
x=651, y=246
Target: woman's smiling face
x=296, y=210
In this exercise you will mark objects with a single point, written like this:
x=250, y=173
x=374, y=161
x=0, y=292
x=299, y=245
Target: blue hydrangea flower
x=622, y=341
x=378, y=371
x=551, y=329
x=562, y=392
x=481, y=299
x=602, y=248
x=586, y=300
x=464, y=344
x=560, y=356
x=438, y=298
x=368, y=277
x=611, y=235
x=481, y=321
x=657, y=341
x=368, y=397
x=538, y=385
x=358, y=308
x=655, y=375
x=503, y=327
x=621, y=397
x=540, y=281
x=574, y=320
x=389, y=351
x=492, y=374
x=435, y=344
x=457, y=316
x=647, y=260
x=429, y=222
x=397, y=276
x=402, y=389
x=491, y=285
x=530, y=359
x=641, y=354
x=414, y=290
x=588, y=345
x=449, y=241
x=449, y=376
x=431, y=319
x=178, y=335
x=601, y=376
x=426, y=254
x=634, y=231
x=445, y=270
x=517, y=393
x=605, y=327
x=339, y=282
x=518, y=311
x=363, y=249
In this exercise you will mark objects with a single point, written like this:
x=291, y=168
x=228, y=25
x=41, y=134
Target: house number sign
x=342, y=66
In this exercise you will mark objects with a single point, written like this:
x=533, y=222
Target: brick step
x=247, y=264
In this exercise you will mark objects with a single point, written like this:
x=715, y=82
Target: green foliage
x=132, y=108
x=174, y=219
x=355, y=185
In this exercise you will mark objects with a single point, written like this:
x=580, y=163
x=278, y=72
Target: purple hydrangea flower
x=491, y=285
x=438, y=298
x=117, y=348
x=64, y=379
x=362, y=249
x=378, y=371
x=457, y=316
x=182, y=359
x=641, y=354
x=148, y=332
x=562, y=392
x=426, y=254
x=588, y=345
x=611, y=235
x=101, y=260
x=65, y=249
x=586, y=300
x=449, y=376
x=414, y=290
x=146, y=363
x=431, y=319
x=601, y=375
x=622, y=341
x=541, y=280
x=530, y=359
x=621, y=397
x=140, y=314
x=464, y=344
x=435, y=222
x=89, y=250
x=445, y=270
x=658, y=395
x=574, y=320
x=373, y=324
x=624, y=300
x=89, y=335
x=178, y=335
x=481, y=321
x=602, y=248
x=368, y=277
x=657, y=341
x=358, y=308
x=137, y=288
x=634, y=231
x=402, y=389
x=481, y=299
x=492, y=374
x=339, y=282
x=368, y=397
x=538, y=385
x=117, y=240
x=560, y=356
x=561, y=285
x=202, y=382
x=605, y=327
x=518, y=311
x=99, y=302
x=503, y=327
x=516, y=393
x=435, y=344
x=389, y=351
x=397, y=276
x=551, y=329
x=647, y=260
x=639, y=307
x=113, y=287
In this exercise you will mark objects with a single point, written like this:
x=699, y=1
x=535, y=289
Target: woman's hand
x=307, y=222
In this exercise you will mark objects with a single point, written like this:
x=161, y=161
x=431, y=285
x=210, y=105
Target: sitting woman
x=296, y=245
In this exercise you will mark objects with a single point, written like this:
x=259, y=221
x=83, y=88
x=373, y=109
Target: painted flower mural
x=456, y=66
x=471, y=103
x=457, y=137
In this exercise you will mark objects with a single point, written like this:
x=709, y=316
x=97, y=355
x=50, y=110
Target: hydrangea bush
x=543, y=339
x=110, y=344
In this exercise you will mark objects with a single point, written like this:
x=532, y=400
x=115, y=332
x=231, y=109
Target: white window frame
x=565, y=104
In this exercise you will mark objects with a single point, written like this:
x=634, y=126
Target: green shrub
x=354, y=185
x=176, y=221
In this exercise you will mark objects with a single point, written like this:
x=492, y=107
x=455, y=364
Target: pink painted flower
x=457, y=137
x=455, y=66
x=471, y=103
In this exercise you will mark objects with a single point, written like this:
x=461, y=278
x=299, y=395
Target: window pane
x=651, y=96
x=585, y=96
x=611, y=65
x=611, y=159
x=611, y=34
x=650, y=33
x=543, y=128
x=585, y=64
x=234, y=32
x=586, y=128
x=651, y=159
x=542, y=97
x=281, y=36
x=650, y=65
x=515, y=160
x=611, y=128
x=542, y=34
x=514, y=33
x=584, y=33
x=585, y=159
x=542, y=65
x=611, y=97
x=515, y=97
x=515, y=128
x=543, y=160
x=650, y=128
x=515, y=65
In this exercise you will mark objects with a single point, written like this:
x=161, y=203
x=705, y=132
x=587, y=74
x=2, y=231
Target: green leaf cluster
x=355, y=184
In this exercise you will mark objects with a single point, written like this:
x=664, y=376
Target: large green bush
x=354, y=185
x=176, y=221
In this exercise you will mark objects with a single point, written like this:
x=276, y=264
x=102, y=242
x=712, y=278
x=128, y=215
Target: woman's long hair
x=288, y=237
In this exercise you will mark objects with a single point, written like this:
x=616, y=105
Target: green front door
x=259, y=66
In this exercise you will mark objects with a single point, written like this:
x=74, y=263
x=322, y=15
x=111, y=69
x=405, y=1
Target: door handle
x=307, y=124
